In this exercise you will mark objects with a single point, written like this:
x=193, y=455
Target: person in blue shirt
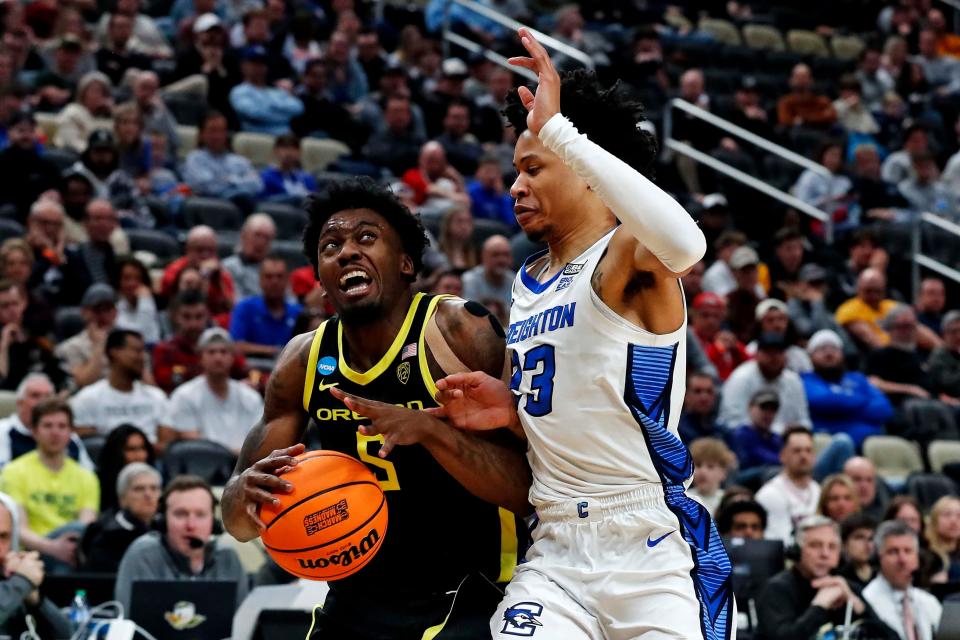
x=262, y=325
x=755, y=444
x=841, y=401
x=260, y=107
x=488, y=196
x=286, y=181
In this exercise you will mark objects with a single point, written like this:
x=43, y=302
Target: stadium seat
x=483, y=229
x=8, y=403
x=211, y=461
x=820, y=442
x=160, y=244
x=807, y=43
x=222, y=215
x=763, y=37
x=48, y=124
x=186, y=109
x=62, y=158
x=894, y=457
x=292, y=252
x=290, y=220
x=317, y=154
x=722, y=31
x=186, y=140
x=94, y=445
x=67, y=322
x=943, y=452
x=927, y=488
x=10, y=229
x=257, y=147
x=847, y=47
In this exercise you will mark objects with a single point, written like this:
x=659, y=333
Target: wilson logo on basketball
x=346, y=557
x=326, y=517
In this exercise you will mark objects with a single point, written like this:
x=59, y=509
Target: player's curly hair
x=363, y=193
x=608, y=116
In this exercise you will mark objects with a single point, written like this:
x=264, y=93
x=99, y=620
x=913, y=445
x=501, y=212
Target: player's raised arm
x=271, y=444
x=661, y=235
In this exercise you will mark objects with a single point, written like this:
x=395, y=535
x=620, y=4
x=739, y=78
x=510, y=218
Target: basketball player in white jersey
x=597, y=339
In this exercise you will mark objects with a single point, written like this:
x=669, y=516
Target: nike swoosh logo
x=653, y=543
x=324, y=387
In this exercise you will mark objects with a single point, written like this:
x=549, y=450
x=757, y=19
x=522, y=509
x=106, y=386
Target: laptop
x=754, y=562
x=949, y=621
x=184, y=609
x=61, y=589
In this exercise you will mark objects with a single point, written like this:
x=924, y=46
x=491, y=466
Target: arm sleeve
x=646, y=211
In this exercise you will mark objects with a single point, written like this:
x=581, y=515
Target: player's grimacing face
x=544, y=190
x=361, y=264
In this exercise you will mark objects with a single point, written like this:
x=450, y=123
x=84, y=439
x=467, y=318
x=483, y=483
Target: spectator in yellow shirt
x=57, y=497
x=861, y=315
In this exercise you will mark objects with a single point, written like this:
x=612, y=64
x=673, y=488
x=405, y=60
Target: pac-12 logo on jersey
x=521, y=619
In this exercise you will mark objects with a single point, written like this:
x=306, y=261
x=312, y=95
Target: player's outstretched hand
x=546, y=102
x=397, y=425
x=258, y=484
x=475, y=401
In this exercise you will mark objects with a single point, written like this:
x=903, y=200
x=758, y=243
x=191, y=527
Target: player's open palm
x=475, y=401
x=546, y=102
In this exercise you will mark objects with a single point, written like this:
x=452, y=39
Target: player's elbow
x=689, y=248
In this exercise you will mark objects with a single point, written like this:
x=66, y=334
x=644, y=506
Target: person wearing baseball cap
x=842, y=401
x=213, y=406
x=84, y=354
x=772, y=316
x=742, y=301
x=709, y=312
x=767, y=371
x=755, y=444
x=260, y=107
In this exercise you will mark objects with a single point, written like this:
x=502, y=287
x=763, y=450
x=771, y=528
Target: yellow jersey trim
x=388, y=358
x=435, y=630
x=313, y=620
x=428, y=380
x=312, y=366
x=508, y=545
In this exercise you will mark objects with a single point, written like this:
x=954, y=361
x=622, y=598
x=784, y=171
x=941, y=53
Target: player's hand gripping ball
x=332, y=523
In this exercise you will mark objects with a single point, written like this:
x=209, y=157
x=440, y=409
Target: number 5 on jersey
x=540, y=364
x=391, y=483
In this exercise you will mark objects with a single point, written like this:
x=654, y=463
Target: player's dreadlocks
x=607, y=115
x=363, y=193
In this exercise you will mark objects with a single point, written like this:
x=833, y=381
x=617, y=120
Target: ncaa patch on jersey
x=521, y=619
x=403, y=372
x=327, y=365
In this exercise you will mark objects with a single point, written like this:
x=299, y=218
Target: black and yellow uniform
x=438, y=533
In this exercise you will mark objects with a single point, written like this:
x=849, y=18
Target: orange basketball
x=332, y=523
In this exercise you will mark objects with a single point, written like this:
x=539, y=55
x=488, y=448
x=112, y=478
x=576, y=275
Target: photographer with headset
x=181, y=547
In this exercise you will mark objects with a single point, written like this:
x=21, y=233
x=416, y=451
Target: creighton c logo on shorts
x=521, y=619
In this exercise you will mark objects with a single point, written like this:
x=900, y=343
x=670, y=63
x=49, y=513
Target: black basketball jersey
x=438, y=532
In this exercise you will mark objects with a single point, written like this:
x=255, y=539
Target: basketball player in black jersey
x=451, y=495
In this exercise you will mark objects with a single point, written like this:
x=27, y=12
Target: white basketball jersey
x=599, y=398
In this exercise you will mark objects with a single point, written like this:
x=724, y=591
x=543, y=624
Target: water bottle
x=79, y=611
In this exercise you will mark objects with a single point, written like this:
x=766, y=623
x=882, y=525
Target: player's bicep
x=474, y=335
x=283, y=420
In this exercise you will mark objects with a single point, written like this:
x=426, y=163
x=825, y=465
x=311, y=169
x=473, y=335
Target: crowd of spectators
x=150, y=271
